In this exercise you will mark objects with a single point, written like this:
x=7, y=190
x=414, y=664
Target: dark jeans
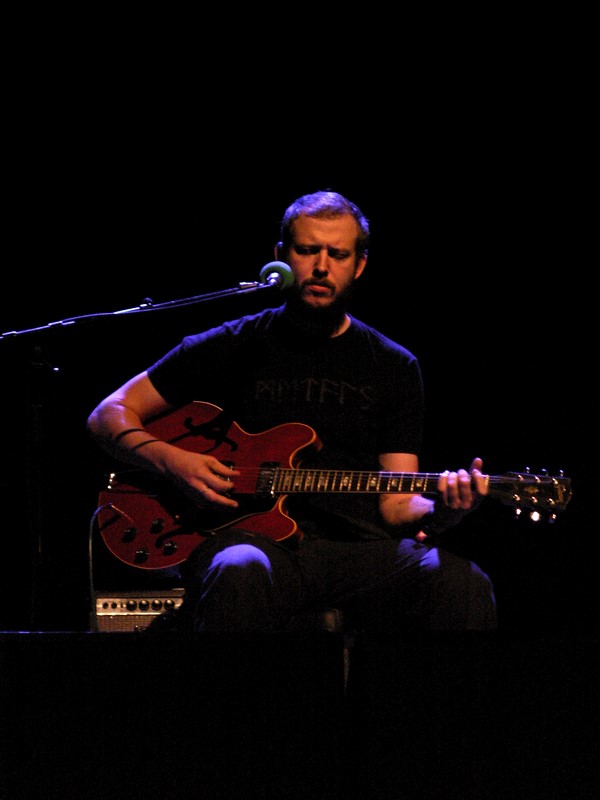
x=240, y=582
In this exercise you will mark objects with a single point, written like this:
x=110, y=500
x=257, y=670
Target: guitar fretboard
x=288, y=481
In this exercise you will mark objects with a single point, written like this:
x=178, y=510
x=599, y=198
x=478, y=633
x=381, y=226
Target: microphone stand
x=147, y=305
x=275, y=275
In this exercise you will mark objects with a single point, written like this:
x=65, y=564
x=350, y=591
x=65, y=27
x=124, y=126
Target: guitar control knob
x=157, y=525
x=129, y=534
x=169, y=548
x=140, y=556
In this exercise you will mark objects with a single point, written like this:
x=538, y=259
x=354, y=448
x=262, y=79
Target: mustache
x=326, y=284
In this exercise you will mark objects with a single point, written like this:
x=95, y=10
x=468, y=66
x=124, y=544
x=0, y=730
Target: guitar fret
x=285, y=484
x=321, y=482
x=346, y=482
x=417, y=483
x=297, y=484
x=309, y=480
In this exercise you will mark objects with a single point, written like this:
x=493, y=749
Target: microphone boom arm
x=276, y=275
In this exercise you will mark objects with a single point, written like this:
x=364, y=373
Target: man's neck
x=342, y=327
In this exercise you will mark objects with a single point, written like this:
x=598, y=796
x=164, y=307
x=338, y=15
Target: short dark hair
x=326, y=205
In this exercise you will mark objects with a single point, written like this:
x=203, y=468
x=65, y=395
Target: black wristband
x=440, y=518
x=144, y=443
x=119, y=436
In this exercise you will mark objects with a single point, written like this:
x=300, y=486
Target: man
x=373, y=552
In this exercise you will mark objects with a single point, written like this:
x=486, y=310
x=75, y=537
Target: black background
x=479, y=264
x=153, y=156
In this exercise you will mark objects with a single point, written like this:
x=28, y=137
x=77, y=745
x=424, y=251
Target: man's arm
x=458, y=493
x=117, y=425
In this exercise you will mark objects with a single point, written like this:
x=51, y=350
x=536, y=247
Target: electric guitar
x=146, y=522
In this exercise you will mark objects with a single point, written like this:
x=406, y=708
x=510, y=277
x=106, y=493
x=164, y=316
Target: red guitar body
x=147, y=523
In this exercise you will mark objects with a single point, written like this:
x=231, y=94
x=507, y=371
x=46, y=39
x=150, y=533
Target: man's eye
x=306, y=250
x=313, y=250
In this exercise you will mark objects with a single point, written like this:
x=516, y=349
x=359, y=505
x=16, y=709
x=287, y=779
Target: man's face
x=323, y=259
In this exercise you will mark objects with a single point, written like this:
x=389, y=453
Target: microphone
x=277, y=273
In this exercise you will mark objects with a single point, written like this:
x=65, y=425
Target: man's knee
x=240, y=563
x=241, y=555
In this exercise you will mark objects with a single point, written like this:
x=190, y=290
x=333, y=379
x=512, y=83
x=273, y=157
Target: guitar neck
x=536, y=492
x=290, y=481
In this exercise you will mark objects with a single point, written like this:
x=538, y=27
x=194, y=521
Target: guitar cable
x=91, y=581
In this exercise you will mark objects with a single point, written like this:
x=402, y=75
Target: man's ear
x=362, y=263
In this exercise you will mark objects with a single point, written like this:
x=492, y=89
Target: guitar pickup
x=266, y=478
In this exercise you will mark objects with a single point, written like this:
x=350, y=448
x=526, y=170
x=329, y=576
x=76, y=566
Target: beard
x=317, y=321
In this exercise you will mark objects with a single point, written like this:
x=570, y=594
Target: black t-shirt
x=360, y=392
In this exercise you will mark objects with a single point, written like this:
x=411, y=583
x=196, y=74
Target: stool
x=332, y=620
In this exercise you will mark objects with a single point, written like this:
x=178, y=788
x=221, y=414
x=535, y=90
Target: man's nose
x=322, y=263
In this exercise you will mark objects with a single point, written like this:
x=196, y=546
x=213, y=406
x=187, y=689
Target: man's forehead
x=343, y=228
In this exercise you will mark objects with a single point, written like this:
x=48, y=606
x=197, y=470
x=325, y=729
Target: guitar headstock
x=546, y=494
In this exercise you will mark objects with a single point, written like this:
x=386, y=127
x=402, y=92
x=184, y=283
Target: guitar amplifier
x=127, y=612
